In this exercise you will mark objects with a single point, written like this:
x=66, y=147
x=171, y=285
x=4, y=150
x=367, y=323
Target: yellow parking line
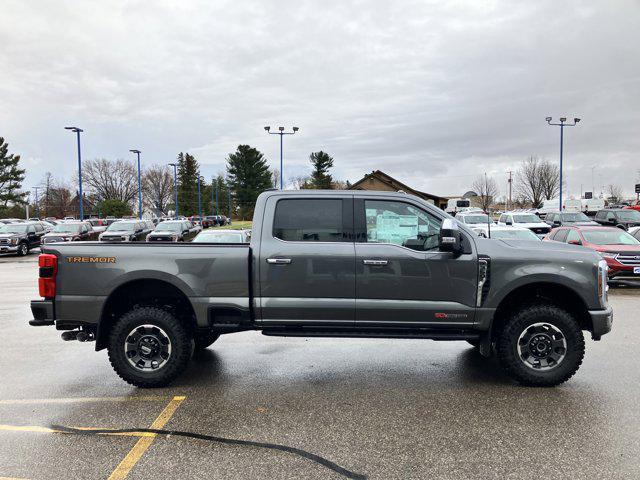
x=38, y=429
x=29, y=401
x=143, y=444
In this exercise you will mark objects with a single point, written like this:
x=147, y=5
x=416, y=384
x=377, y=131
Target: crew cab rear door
x=306, y=261
x=402, y=279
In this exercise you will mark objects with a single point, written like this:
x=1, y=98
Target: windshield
x=480, y=218
x=526, y=218
x=66, y=228
x=609, y=237
x=169, y=227
x=219, y=237
x=575, y=217
x=126, y=226
x=629, y=215
x=462, y=203
x=13, y=229
x=514, y=234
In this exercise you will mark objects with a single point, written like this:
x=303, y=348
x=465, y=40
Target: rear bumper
x=43, y=313
x=602, y=320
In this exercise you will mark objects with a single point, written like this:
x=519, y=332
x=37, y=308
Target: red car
x=633, y=206
x=620, y=249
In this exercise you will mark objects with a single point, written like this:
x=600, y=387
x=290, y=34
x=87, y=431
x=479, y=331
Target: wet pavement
x=384, y=409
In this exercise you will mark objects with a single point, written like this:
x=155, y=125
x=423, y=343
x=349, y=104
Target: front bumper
x=43, y=313
x=601, y=320
x=8, y=248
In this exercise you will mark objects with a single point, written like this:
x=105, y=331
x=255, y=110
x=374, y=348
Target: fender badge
x=91, y=259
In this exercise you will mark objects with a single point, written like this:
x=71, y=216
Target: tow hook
x=79, y=335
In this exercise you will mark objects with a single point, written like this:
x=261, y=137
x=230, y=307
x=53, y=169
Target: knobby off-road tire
x=541, y=346
x=203, y=340
x=148, y=347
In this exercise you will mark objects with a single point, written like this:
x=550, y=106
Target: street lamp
x=175, y=185
x=562, y=124
x=137, y=152
x=37, y=209
x=281, y=132
x=199, y=199
x=78, y=131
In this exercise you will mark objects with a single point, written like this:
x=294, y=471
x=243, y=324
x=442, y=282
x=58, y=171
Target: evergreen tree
x=223, y=195
x=249, y=176
x=320, y=176
x=188, y=171
x=11, y=177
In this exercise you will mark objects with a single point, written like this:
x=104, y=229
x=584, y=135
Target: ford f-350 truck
x=330, y=264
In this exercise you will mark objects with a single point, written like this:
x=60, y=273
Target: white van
x=454, y=205
x=569, y=205
x=591, y=205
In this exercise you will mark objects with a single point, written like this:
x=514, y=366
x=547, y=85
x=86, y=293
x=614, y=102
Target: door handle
x=375, y=263
x=279, y=261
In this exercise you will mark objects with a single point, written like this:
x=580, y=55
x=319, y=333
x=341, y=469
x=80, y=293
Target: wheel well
x=156, y=293
x=554, y=293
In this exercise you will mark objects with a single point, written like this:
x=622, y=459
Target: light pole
x=175, y=185
x=37, y=209
x=562, y=124
x=281, y=132
x=78, y=131
x=137, y=152
x=199, y=200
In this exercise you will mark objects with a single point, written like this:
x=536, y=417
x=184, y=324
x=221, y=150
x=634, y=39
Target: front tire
x=148, y=347
x=23, y=249
x=541, y=346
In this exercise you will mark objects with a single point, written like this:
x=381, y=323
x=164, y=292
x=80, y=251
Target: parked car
x=330, y=263
x=454, y=205
x=125, y=231
x=69, y=218
x=557, y=219
x=71, y=232
x=507, y=233
x=97, y=224
x=620, y=249
x=172, y=231
x=525, y=220
x=590, y=206
x=635, y=205
x=618, y=217
x=472, y=218
x=19, y=238
x=223, y=236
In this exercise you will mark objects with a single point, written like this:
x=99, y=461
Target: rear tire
x=148, y=347
x=202, y=341
x=541, y=346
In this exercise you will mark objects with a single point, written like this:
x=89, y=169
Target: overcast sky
x=432, y=93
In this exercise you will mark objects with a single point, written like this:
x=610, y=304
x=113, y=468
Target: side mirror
x=508, y=223
x=556, y=223
x=450, y=239
x=575, y=242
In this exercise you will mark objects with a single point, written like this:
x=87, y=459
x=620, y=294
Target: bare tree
x=614, y=193
x=487, y=190
x=157, y=187
x=111, y=179
x=550, y=179
x=299, y=182
x=530, y=186
x=276, y=178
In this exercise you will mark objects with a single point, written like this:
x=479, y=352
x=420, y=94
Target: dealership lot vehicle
x=125, y=231
x=619, y=218
x=455, y=205
x=223, y=236
x=310, y=252
x=19, y=238
x=72, y=231
x=565, y=219
x=525, y=220
x=507, y=233
x=474, y=219
x=172, y=231
x=620, y=249
x=590, y=206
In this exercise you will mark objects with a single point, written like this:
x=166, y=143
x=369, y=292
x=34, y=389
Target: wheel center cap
x=148, y=346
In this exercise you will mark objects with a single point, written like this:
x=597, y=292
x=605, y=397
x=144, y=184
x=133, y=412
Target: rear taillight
x=48, y=269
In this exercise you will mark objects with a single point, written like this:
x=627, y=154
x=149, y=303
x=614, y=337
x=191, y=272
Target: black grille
x=541, y=230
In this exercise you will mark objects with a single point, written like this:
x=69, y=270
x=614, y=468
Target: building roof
x=394, y=185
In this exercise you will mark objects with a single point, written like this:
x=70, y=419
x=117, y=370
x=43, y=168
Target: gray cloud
x=433, y=93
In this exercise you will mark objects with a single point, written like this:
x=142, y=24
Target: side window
x=561, y=235
x=39, y=227
x=503, y=218
x=611, y=216
x=31, y=229
x=85, y=229
x=573, y=237
x=400, y=223
x=309, y=220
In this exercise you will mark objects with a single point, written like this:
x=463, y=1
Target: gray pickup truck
x=330, y=264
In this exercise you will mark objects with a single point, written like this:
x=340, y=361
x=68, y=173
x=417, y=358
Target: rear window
x=309, y=220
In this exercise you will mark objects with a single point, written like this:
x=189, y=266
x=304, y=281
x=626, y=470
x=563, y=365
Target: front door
x=402, y=279
x=306, y=265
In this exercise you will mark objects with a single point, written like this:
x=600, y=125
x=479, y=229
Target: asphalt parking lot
x=383, y=409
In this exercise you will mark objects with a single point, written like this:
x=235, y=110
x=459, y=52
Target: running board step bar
x=371, y=333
